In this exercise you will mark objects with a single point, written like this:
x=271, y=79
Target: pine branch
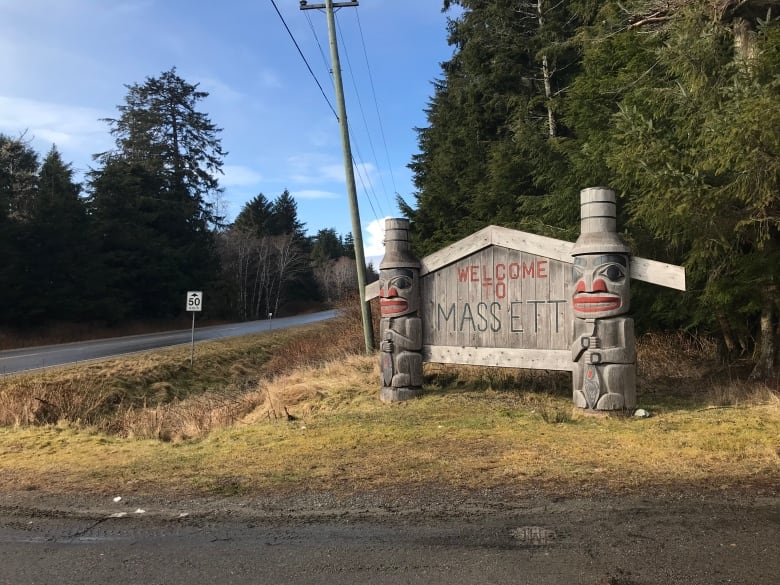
x=652, y=19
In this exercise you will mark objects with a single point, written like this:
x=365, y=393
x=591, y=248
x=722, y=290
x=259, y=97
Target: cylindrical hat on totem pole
x=598, y=224
x=398, y=248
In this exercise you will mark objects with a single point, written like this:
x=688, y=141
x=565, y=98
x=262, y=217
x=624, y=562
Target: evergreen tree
x=349, y=246
x=161, y=129
x=57, y=251
x=18, y=184
x=167, y=158
x=327, y=245
x=491, y=148
x=255, y=217
x=138, y=268
x=18, y=177
x=284, y=217
x=694, y=148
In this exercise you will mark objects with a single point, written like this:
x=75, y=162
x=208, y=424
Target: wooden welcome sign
x=497, y=298
x=507, y=298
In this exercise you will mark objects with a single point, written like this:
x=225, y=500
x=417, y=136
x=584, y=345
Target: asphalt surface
x=611, y=541
x=32, y=358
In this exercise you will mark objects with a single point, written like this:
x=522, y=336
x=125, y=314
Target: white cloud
x=310, y=173
x=239, y=176
x=319, y=168
x=315, y=168
x=220, y=90
x=366, y=170
x=314, y=194
x=334, y=172
x=67, y=122
x=374, y=238
x=77, y=131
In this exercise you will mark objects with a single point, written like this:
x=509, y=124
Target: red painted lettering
x=489, y=276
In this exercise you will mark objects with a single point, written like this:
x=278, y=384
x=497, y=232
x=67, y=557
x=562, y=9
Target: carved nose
x=599, y=285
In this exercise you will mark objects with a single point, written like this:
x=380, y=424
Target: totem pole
x=400, y=327
x=603, y=349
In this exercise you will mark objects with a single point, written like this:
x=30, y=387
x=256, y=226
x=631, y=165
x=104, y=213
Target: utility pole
x=357, y=230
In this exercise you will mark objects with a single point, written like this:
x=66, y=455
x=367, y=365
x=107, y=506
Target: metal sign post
x=194, y=304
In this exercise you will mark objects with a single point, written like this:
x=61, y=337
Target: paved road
x=580, y=542
x=31, y=358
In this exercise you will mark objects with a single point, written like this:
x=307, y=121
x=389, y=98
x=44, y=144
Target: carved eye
x=613, y=272
x=576, y=273
x=401, y=282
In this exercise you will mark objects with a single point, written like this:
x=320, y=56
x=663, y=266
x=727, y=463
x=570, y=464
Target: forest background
x=672, y=103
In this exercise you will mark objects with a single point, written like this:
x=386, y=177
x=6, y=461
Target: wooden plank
x=372, y=291
x=427, y=304
x=502, y=293
x=540, y=291
x=659, y=273
x=532, y=359
x=532, y=244
x=448, y=291
x=558, y=301
x=457, y=251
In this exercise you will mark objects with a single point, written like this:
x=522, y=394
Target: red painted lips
x=392, y=306
x=596, y=303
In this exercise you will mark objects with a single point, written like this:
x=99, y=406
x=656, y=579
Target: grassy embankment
x=148, y=423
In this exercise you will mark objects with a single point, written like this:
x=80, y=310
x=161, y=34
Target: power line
x=376, y=103
x=300, y=52
x=368, y=133
x=360, y=176
x=319, y=45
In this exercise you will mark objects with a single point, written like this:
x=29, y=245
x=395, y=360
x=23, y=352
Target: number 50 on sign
x=194, y=300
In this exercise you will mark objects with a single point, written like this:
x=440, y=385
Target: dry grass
x=344, y=439
x=158, y=395
x=150, y=423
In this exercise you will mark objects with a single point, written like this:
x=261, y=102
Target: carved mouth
x=596, y=303
x=391, y=306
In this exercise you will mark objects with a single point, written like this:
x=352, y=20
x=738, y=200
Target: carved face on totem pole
x=398, y=292
x=601, y=286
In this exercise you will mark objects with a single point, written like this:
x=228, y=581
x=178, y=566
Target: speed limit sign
x=195, y=300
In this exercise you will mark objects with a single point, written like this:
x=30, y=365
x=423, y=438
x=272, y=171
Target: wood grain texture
x=660, y=273
x=504, y=358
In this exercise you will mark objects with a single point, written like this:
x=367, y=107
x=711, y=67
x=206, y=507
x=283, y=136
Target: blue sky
x=65, y=64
